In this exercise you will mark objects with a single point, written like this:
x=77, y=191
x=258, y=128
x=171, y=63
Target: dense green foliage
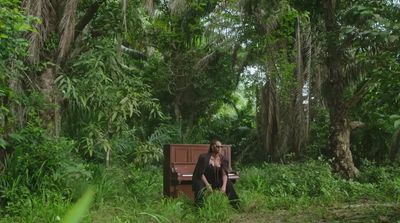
x=131, y=194
x=90, y=91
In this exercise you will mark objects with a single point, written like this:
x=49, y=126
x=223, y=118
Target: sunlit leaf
x=80, y=208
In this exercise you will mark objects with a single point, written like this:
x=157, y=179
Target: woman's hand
x=223, y=189
x=209, y=188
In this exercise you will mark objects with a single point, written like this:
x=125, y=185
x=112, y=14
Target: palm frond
x=353, y=71
x=267, y=12
x=43, y=10
x=149, y=5
x=124, y=8
x=204, y=62
x=306, y=48
x=271, y=23
x=178, y=6
x=67, y=27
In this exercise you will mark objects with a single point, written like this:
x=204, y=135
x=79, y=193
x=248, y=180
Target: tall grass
x=132, y=194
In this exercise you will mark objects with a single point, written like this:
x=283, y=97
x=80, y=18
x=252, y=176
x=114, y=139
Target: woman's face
x=216, y=148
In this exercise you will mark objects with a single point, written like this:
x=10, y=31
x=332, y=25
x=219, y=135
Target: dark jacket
x=201, y=165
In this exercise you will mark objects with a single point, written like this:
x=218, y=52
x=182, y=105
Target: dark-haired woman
x=211, y=173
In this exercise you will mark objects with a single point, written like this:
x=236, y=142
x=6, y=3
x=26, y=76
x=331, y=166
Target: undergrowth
x=132, y=194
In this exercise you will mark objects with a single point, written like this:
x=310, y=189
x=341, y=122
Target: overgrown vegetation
x=131, y=194
x=306, y=92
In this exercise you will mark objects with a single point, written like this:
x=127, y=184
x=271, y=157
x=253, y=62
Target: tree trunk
x=339, y=138
x=16, y=108
x=268, y=121
x=395, y=145
x=50, y=13
x=108, y=158
x=52, y=113
x=58, y=20
x=297, y=106
x=339, y=143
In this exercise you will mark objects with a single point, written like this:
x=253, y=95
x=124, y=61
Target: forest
x=306, y=92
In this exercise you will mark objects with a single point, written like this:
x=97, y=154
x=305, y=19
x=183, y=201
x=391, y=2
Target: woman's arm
x=198, y=174
x=224, y=165
x=204, y=179
x=224, y=181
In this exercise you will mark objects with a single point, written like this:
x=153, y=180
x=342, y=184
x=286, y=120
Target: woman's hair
x=212, y=142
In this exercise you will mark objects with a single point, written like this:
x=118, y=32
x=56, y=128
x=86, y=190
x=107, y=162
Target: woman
x=211, y=173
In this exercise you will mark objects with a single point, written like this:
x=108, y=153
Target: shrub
x=39, y=165
x=216, y=208
x=310, y=179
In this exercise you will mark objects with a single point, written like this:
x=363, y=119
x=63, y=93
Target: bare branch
x=90, y=13
x=357, y=96
x=134, y=53
x=356, y=124
x=204, y=62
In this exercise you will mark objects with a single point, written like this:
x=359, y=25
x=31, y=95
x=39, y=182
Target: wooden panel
x=224, y=151
x=195, y=153
x=184, y=190
x=181, y=155
x=167, y=171
x=184, y=168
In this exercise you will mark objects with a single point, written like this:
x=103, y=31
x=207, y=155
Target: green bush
x=144, y=184
x=216, y=208
x=310, y=179
x=134, y=194
x=36, y=156
x=384, y=178
x=32, y=209
x=40, y=165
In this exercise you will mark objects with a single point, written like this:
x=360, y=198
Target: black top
x=213, y=174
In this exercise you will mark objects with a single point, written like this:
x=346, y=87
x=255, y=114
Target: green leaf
x=397, y=124
x=23, y=27
x=114, y=115
x=78, y=211
x=348, y=30
x=3, y=143
x=124, y=100
x=393, y=117
x=393, y=38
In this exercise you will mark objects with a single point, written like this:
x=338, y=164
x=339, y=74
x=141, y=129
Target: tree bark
x=52, y=113
x=268, y=121
x=395, y=145
x=339, y=143
x=16, y=108
x=339, y=136
x=298, y=123
x=55, y=14
x=90, y=13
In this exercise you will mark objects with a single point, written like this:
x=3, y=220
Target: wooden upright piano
x=179, y=163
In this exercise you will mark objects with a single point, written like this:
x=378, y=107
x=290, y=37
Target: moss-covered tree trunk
x=339, y=135
x=268, y=121
x=50, y=46
x=52, y=114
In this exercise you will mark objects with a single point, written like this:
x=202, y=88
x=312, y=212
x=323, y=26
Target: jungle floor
x=360, y=213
